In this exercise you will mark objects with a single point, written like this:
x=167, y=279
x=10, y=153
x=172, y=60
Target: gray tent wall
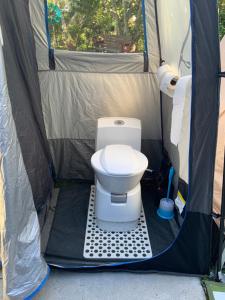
x=26, y=180
x=86, y=86
x=20, y=237
x=27, y=112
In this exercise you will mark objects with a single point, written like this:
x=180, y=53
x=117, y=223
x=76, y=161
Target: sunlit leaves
x=221, y=18
x=97, y=25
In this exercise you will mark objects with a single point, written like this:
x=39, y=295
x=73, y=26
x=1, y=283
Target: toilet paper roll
x=167, y=78
x=181, y=94
x=162, y=70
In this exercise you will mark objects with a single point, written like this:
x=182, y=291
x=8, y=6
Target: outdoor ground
x=120, y=286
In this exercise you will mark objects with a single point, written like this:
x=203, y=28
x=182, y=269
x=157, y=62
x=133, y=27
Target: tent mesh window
x=96, y=26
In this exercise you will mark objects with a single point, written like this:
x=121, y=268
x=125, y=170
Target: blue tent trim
x=39, y=288
x=46, y=24
x=144, y=26
x=146, y=62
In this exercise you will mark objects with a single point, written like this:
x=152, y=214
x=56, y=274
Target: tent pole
x=160, y=63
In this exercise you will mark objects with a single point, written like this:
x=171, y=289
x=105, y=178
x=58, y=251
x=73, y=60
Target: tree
x=221, y=18
x=97, y=25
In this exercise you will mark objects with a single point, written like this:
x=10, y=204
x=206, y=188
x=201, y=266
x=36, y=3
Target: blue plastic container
x=166, y=207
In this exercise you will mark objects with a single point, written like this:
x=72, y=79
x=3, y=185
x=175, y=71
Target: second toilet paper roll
x=182, y=93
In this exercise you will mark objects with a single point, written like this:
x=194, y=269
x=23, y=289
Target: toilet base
x=117, y=213
x=117, y=226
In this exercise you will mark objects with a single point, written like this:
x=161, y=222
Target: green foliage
x=97, y=25
x=54, y=14
x=221, y=18
x=102, y=25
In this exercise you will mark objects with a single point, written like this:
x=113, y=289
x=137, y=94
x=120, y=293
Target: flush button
x=119, y=122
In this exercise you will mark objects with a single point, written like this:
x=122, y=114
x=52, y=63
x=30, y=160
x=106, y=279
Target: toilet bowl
x=119, y=166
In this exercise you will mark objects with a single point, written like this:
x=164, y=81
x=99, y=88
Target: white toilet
x=119, y=166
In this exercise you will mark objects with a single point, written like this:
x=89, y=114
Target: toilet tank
x=126, y=131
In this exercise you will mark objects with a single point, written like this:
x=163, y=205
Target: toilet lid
x=119, y=160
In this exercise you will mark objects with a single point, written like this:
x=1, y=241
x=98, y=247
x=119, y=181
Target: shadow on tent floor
x=66, y=239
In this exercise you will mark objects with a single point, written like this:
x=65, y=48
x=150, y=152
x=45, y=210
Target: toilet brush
x=166, y=207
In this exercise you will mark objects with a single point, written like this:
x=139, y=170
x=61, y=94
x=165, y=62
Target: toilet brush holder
x=166, y=209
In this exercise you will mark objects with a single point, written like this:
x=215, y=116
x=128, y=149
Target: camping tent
x=50, y=100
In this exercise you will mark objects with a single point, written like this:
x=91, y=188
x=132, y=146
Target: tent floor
x=66, y=239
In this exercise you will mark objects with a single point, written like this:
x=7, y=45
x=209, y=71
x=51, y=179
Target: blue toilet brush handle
x=172, y=172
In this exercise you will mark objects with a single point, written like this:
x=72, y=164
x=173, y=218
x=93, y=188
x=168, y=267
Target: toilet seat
x=119, y=160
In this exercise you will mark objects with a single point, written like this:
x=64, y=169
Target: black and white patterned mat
x=115, y=245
